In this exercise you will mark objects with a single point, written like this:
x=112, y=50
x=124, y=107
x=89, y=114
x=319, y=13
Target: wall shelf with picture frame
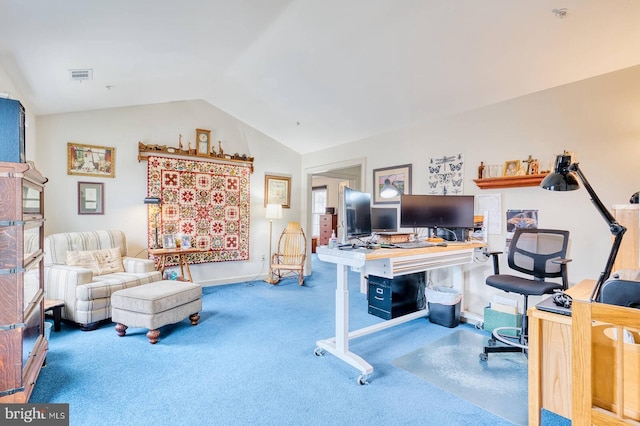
x=510, y=181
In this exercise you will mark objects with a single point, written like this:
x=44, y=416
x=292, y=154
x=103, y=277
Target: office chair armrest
x=561, y=260
x=496, y=266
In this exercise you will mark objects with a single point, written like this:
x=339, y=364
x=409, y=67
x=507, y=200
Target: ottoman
x=156, y=304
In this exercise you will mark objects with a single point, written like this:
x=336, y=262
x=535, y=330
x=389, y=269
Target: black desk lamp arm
x=616, y=229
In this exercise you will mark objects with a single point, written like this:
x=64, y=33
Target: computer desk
x=387, y=263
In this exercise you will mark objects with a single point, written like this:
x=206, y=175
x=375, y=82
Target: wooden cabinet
x=328, y=223
x=23, y=347
x=628, y=215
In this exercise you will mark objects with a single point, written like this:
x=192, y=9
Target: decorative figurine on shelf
x=180, y=143
x=481, y=170
x=530, y=169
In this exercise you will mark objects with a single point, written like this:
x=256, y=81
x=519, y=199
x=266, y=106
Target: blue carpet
x=250, y=361
x=452, y=363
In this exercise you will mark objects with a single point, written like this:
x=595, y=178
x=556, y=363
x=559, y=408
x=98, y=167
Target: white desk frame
x=387, y=263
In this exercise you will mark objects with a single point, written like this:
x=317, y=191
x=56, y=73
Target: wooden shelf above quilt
x=510, y=181
x=145, y=151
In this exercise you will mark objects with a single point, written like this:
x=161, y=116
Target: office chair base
x=510, y=344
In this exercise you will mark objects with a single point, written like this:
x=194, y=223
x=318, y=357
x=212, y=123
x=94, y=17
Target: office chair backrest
x=532, y=250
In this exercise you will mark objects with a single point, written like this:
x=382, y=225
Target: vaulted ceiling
x=311, y=73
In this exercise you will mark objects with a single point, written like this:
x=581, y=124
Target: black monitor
x=436, y=211
x=384, y=219
x=357, y=215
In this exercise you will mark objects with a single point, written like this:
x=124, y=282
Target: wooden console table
x=162, y=255
x=550, y=358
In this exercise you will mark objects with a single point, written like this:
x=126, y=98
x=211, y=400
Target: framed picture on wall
x=90, y=160
x=398, y=176
x=277, y=190
x=90, y=198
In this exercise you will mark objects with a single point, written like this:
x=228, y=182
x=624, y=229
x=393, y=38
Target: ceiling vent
x=80, y=75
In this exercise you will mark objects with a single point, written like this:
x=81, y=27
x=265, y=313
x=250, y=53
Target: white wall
x=162, y=124
x=597, y=118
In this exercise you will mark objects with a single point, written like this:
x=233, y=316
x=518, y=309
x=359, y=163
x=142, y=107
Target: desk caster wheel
x=318, y=352
x=362, y=380
x=483, y=357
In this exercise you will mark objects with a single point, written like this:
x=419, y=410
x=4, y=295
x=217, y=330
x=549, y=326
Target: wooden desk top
x=581, y=291
x=386, y=253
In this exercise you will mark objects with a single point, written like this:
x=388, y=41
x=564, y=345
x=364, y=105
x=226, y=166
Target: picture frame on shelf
x=203, y=142
x=399, y=176
x=185, y=241
x=511, y=168
x=91, y=160
x=277, y=190
x=168, y=241
x=90, y=198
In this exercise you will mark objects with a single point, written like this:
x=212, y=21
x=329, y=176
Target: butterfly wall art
x=446, y=175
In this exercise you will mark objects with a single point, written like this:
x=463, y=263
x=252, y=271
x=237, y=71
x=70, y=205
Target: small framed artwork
x=511, y=168
x=168, y=241
x=399, y=177
x=91, y=160
x=185, y=241
x=90, y=198
x=277, y=190
x=203, y=142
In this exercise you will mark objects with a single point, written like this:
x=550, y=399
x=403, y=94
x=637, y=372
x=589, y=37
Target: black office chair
x=537, y=252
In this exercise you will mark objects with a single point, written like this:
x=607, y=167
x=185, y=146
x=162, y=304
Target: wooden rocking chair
x=290, y=255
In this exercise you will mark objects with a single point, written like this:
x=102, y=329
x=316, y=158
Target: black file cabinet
x=391, y=298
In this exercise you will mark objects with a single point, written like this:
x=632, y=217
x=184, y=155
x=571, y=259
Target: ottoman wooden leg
x=121, y=329
x=194, y=318
x=153, y=335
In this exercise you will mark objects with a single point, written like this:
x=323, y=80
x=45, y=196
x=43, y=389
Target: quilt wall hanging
x=446, y=174
x=208, y=201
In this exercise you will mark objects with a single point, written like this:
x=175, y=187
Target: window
x=318, y=206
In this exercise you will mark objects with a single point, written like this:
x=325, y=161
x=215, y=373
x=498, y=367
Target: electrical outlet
x=263, y=257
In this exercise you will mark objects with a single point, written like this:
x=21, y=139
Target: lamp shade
x=274, y=211
x=152, y=200
x=562, y=178
x=389, y=190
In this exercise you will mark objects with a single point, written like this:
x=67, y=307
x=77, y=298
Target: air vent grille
x=79, y=75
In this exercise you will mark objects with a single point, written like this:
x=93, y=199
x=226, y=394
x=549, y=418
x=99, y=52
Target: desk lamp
x=564, y=179
x=154, y=201
x=274, y=211
x=389, y=190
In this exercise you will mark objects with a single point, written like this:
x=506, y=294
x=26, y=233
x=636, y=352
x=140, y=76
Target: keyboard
x=415, y=244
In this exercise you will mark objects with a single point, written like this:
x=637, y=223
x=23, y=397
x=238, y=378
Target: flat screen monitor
x=357, y=217
x=384, y=219
x=436, y=211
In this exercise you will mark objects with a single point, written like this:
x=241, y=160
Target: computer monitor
x=357, y=214
x=384, y=219
x=436, y=211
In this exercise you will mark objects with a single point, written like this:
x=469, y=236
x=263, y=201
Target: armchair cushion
x=100, y=262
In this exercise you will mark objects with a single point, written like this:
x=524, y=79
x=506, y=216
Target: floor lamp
x=155, y=201
x=274, y=211
x=563, y=179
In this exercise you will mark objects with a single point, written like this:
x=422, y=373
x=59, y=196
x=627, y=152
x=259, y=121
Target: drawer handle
x=379, y=290
x=378, y=298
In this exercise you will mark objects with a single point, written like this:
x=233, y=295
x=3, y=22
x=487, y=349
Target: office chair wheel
x=318, y=352
x=483, y=357
x=362, y=380
x=491, y=342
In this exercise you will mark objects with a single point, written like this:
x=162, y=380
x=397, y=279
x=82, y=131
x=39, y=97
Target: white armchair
x=85, y=268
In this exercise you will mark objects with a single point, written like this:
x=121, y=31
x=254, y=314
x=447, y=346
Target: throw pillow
x=100, y=262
